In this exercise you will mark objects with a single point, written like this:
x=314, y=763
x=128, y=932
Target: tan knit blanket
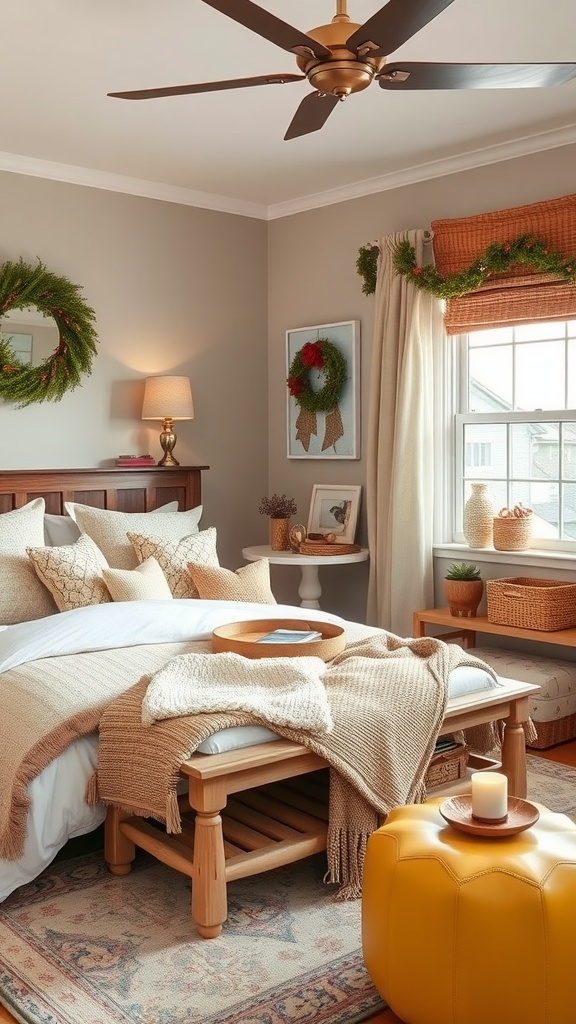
x=387, y=698
x=46, y=704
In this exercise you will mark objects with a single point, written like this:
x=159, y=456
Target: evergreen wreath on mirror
x=526, y=250
x=22, y=286
x=324, y=356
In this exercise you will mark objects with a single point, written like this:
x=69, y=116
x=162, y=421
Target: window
x=517, y=425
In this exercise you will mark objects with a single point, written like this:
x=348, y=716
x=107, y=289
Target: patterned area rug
x=79, y=946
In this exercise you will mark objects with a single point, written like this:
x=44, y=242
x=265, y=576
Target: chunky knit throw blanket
x=387, y=698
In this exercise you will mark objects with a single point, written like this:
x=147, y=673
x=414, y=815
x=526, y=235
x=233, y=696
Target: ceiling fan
x=344, y=57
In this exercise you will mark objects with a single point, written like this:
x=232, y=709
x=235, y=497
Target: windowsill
x=533, y=557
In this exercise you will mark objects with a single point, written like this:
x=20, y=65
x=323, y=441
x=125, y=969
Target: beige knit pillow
x=249, y=583
x=72, y=573
x=22, y=596
x=174, y=556
x=146, y=582
x=109, y=529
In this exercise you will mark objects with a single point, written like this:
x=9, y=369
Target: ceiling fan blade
x=474, y=76
x=312, y=114
x=393, y=25
x=269, y=26
x=184, y=90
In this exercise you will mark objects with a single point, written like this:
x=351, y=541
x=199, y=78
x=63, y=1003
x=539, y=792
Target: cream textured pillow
x=174, y=556
x=109, y=529
x=146, y=582
x=249, y=583
x=22, y=596
x=72, y=573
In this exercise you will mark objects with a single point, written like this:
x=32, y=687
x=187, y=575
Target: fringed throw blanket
x=386, y=696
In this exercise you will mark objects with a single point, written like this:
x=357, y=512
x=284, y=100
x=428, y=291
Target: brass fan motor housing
x=343, y=73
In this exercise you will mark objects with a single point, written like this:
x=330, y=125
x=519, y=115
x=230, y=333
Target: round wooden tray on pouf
x=242, y=638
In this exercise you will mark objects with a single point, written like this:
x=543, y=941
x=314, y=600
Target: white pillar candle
x=489, y=795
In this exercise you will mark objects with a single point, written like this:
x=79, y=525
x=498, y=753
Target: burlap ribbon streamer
x=306, y=426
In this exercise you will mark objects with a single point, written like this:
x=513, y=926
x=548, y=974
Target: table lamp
x=167, y=399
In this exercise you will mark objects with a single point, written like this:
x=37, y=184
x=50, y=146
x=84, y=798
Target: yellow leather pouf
x=462, y=929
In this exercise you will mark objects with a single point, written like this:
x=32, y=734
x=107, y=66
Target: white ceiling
x=59, y=58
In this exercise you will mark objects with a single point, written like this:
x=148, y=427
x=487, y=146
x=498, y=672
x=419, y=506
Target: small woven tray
x=447, y=766
x=312, y=547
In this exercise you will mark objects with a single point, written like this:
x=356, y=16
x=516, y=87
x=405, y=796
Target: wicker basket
x=531, y=604
x=512, y=533
x=447, y=766
x=310, y=547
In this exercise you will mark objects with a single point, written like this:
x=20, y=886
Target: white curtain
x=403, y=439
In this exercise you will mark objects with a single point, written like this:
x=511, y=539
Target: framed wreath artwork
x=322, y=385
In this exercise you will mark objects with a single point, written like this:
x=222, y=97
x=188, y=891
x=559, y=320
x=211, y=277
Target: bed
x=255, y=839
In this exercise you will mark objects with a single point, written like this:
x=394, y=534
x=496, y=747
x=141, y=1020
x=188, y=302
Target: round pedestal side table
x=310, y=589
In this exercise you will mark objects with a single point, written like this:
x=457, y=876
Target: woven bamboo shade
x=520, y=295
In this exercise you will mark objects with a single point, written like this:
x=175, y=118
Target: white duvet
x=58, y=810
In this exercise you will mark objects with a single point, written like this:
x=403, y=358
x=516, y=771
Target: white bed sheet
x=58, y=810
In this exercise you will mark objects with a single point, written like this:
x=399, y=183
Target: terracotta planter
x=280, y=534
x=463, y=596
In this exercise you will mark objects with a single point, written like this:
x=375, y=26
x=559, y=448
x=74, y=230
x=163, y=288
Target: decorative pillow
x=72, y=573
x=174, y=557
x=109, y=529
x=249, y=583
x=64, y=530
x=146, y=582
x=22, y=596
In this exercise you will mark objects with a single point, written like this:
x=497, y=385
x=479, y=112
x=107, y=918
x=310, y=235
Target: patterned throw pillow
x=72, y=573
x=22, y=596
x=174, y=556
x=249, y=583
x=109, y=529
x=146, y=582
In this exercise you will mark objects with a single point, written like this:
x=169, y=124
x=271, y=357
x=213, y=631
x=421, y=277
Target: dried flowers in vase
x=279, y=508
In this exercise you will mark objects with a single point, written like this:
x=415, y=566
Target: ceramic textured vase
x=280, y=534
x=478, y=517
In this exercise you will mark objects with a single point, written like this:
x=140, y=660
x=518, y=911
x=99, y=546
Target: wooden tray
x=241, y=638
x=313, y=547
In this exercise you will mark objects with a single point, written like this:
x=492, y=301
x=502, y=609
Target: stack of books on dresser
x=135, y=460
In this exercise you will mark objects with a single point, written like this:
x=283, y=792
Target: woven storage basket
x=310, y=547
x=531, y=604
x=512, y=534
x=447, y=766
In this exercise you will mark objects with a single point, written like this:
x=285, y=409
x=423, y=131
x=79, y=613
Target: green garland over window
x=22, y=286
x=318, y=355
x=527, y=250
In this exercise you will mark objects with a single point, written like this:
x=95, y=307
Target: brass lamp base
x=167, y=442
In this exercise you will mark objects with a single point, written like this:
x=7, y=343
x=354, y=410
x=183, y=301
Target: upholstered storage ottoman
x=553, y=710
x=461, y=929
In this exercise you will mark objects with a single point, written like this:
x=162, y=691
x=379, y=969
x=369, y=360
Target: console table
x=466, y=628
x=310, y=589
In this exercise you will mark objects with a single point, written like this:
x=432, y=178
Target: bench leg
x=119, y=852
x=209, y=900
x=514, y=749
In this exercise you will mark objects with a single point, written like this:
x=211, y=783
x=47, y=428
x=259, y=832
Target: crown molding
x=72, y=175
x=470, y=160
x=131, y=186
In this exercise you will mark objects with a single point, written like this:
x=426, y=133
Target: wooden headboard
x=122, y=490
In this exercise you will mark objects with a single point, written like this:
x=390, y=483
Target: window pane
x=569, y=511
x=490, y=373
x=540, y=376
x=495, y=336
x=485, y=440
x=569, y=451
x=536, y=332
x=571, y=370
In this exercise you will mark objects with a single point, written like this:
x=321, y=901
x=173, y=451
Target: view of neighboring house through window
x=517, y=426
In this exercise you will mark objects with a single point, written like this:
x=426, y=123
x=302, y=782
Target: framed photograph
x=334, y=509
x=323, y=391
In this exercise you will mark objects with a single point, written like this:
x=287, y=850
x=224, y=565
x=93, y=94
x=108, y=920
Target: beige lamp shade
x=167, y=398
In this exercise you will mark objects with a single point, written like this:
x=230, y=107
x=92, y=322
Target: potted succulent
x=463, y=588
x=279, y=508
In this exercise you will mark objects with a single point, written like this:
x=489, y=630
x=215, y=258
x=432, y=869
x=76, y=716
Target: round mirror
x=47, y=337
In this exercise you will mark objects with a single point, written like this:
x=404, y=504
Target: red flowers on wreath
x=295, y=386
x=311, y=355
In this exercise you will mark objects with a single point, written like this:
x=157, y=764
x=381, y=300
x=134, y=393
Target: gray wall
x=176, y=290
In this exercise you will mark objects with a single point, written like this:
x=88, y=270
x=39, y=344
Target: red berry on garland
x=416, y=270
